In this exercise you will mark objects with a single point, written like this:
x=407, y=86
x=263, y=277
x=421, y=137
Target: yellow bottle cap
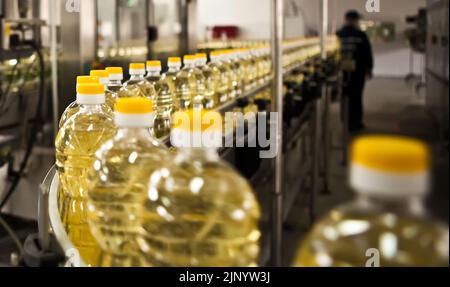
x=87, y=80
x=153, y=63
x=114, y=70
x=174, y=60
x=216, y=53
x=202, y=56
x=391, y=154
x=99, y=73
x=134, y=106
x=197, y=121
x=91, y=89
x=137, y=66
x=190, y=58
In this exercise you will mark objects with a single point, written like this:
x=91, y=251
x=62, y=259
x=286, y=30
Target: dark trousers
x=354, y=90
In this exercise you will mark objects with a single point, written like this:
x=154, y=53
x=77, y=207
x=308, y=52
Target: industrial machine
x=437, y=64
x=22, y=90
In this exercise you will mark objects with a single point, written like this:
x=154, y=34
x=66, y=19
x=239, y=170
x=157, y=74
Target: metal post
x=54, y=64
x=326, y=98
x=277, y=106
x=183, y=14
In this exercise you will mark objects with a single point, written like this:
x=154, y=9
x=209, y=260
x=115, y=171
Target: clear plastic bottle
x=73, y=108
x=223, y=82
x=111, y=96
x=211, y=77
x=199, y=98
x=163, y=104
x=186, y=83
x=76, y=143
x=118, y=184
x=199, y=211
x=174, y=65
x=115, y=79
x=234, y=72
x=137, y=85
x=250, y=73
x=386, y=225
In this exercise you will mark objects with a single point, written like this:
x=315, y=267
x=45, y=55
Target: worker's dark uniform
x=356, y=46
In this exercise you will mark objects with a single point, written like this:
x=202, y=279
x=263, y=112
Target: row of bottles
x=125, y=200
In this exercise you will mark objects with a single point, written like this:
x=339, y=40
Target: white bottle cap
x=90, y=94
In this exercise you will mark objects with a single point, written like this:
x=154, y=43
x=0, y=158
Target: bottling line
x=45, y=51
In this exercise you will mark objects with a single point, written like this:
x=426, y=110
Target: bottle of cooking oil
x=73, y=108
x=174, y=65
x=235, y=73
x=199, y=211
x=386, y=226
x=76, y=143
x=200, y=97
x=163, y=104
x=223, y=83
x=250, y=73
x=118, y=184
x=111, y=96
x=115, y=79
x=243, y=62
x=211, y=78
x=229, y=72
x=186, y=83
x=137, y=85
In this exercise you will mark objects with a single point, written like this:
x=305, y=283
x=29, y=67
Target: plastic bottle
x=233, y=72
x=111, y=96
x=186, y=83
x=137, y=85
x=73, y=108
x=115, y=78
x=174, y=65
x=199, y=211
x=118, y=183
x=163, y=104
x=211, y=77
x=386, y=225
x=223, y=81
x=76, y=143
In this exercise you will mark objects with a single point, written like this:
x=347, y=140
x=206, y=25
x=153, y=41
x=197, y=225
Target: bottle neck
x=115, y=83
x=410, y=206
x=173, y=70
x=134, y=132
x=190, y=65
x=137, y=77
x=198, y=154
x=153, y=73
x=91, y=107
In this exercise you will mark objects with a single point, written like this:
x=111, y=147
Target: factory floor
x=391, y=107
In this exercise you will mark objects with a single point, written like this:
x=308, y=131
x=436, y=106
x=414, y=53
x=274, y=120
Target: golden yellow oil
x=185, y=88
x=137, y=87
x=347, y=239
x=211, y=99
x=118, y=186
x=163, y=104
x=199, y=97
x=76, y=144
x=199, y=212
x=74, y=108
x=110, y=98
x=222, y=80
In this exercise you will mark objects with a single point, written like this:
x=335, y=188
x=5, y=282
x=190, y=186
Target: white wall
x=252, y=16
